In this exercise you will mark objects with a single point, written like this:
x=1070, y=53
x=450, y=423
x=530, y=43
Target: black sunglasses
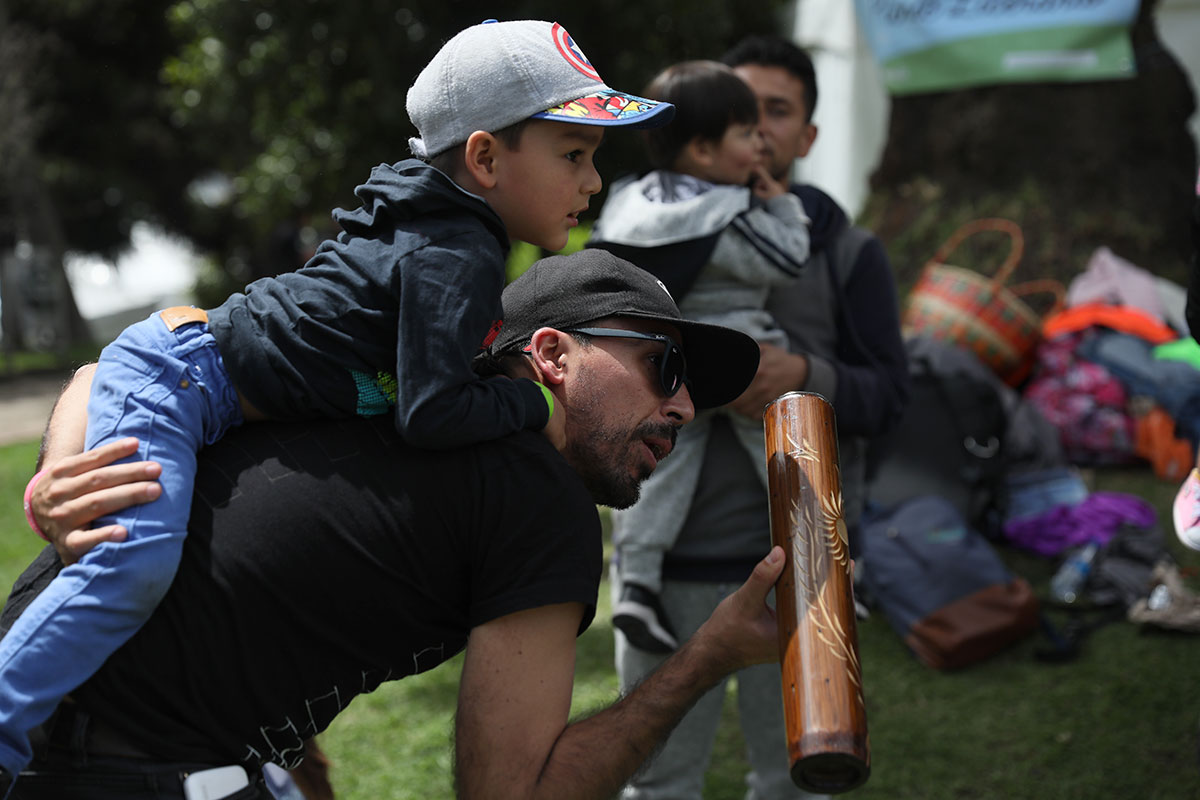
x=672, y=367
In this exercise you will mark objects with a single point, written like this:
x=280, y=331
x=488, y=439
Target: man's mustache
x=657, y=430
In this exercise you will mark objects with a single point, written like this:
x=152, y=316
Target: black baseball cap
x=566, y=292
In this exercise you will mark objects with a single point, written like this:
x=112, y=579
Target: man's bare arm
x=513, y=738
x=78, y=487
x=65, y=430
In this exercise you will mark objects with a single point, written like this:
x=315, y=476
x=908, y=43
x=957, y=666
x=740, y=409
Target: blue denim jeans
x=170, y=389
x=1033, y=492
x=1174, y=385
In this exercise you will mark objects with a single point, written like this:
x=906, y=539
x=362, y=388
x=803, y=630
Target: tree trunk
x=1076, y=165
x=37, y=308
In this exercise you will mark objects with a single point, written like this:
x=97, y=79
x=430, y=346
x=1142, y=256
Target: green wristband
x=549, y=399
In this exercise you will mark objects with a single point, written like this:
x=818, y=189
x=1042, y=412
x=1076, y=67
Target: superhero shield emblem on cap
x=571, y=52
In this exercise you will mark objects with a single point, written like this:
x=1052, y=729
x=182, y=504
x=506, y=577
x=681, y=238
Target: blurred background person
x=844, y=343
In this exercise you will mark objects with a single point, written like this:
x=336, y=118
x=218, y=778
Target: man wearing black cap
x=325, y=558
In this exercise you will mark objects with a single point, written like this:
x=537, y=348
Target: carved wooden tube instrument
x=826, y=720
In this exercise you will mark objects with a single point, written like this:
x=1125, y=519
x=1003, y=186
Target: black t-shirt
x=326, y=558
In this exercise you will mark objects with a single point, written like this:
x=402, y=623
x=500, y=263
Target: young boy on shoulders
x=388, y=315
x=714, y=225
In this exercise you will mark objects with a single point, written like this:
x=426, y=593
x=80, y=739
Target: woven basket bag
x=978, y=312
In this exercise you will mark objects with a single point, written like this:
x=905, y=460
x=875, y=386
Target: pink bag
x=1085, y=402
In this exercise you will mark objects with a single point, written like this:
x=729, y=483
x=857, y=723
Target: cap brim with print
x=566, y=292
x=497, y=74
x=610, y=107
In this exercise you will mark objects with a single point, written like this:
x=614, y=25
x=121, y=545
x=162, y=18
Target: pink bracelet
x=28, y=508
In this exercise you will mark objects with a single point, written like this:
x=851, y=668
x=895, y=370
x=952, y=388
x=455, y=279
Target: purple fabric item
x=1095, y=519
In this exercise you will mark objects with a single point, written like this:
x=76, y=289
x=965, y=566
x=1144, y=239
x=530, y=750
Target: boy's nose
x=593, y=182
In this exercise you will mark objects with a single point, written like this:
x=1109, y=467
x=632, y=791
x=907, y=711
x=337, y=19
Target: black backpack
x=950, y=442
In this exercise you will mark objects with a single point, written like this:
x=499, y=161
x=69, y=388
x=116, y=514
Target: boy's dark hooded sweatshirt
x=390, y=313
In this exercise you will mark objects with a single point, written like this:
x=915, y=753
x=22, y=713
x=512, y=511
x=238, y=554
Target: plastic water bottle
x=1068, y=582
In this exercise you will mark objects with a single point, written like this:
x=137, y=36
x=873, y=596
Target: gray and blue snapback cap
x=570, y=291
x=496, y=74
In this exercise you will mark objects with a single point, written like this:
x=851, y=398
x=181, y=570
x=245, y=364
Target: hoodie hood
x=411, y=189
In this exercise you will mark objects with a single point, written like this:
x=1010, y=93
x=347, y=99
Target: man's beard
x=602, y=459
x=602, y=454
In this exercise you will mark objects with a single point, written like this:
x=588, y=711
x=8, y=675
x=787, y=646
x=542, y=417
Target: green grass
x=18, y=545
x=23, y=361
x=1120, y=721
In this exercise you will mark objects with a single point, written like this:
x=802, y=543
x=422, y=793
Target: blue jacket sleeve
x=449, y=302
x=871, y=364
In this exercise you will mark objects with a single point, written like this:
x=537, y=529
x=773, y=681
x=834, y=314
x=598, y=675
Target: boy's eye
x=574, y=155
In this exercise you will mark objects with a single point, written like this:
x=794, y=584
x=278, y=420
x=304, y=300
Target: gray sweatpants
x=678, y=770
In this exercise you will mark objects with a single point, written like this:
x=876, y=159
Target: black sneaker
x=639, y=615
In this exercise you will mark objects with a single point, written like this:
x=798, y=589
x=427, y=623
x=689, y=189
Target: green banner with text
x=932, y=45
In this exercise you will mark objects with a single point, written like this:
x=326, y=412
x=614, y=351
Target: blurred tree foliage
x=241, y=123
x=94, y=119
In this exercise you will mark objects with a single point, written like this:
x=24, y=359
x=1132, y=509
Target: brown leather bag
x=941, y=584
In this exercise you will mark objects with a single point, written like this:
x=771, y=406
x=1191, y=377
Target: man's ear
x=549, y=349
x=479, y=158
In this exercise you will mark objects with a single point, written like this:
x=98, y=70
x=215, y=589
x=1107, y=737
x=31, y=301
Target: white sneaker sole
x=644, y=616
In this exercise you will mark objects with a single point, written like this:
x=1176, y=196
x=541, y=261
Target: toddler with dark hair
x=712, y=223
